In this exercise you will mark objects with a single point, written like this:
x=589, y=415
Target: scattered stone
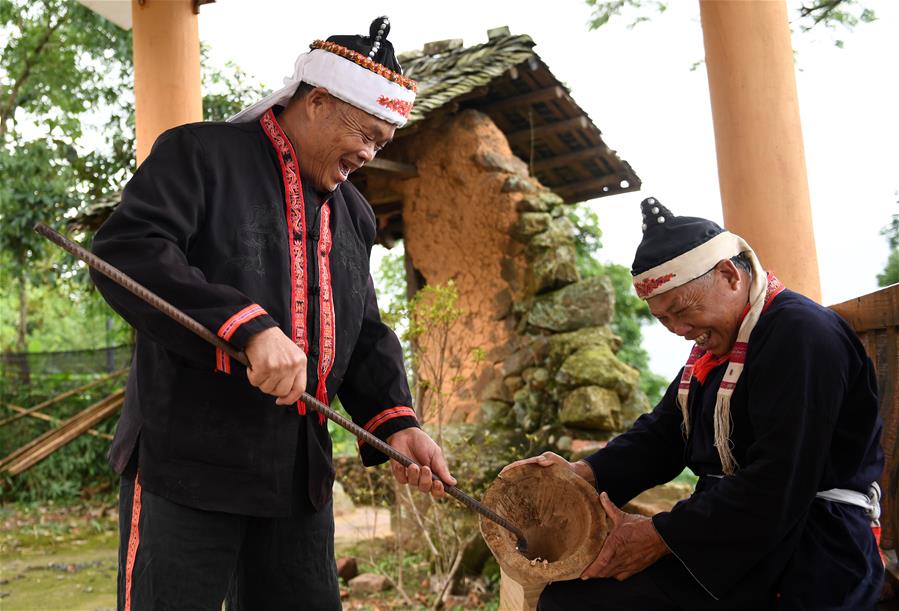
x=369, y=582
x=564, y=443
x=347, y=568
x=590, y=303
x=592, y=407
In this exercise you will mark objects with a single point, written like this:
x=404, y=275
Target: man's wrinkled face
x=342, y=139
x=706, y=310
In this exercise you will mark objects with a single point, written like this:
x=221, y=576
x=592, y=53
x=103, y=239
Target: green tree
x=631, y=312
x=827, y=13
x=66, y=141
x=890, y=273
x=61, y=63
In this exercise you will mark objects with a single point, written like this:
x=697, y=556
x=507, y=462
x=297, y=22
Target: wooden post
x=758, y=137
x=166, y=68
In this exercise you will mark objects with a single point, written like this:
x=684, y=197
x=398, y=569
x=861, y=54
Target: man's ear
x=317, y=103
x=730, y=273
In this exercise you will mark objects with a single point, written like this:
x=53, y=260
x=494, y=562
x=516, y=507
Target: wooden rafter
x=567, y=158
x=524, y=135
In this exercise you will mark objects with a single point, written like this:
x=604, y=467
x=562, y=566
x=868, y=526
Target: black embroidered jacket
x=217, y=221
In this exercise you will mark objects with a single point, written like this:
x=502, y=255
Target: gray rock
x=540, y=201
x=598, y=366
x=589, y=303
x=529, y=224
x=559, y=232
x=553, y=268
x=518, y=184
x=347, y=568
x=369, y=582
x=495, y=162
x=562, y=345
x=497, y=412
x=592, y=407
x=636, y=404
x=496, y=390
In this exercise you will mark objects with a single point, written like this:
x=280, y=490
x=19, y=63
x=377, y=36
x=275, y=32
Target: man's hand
x=277, y=365
x=632, y=545
x=550, y=458
x=417, y=445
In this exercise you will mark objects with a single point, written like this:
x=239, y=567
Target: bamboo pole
x=38, y=449
x=51, y=419
x=64, y=395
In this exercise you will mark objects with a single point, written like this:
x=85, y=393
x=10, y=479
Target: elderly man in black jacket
x=775, y=411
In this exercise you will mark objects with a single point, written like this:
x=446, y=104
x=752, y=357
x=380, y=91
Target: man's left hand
x=632, y=545
x=418, y=445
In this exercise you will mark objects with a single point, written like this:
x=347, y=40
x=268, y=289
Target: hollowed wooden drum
x=562, y=520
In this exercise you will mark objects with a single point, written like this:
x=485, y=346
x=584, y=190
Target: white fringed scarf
x=687, y=267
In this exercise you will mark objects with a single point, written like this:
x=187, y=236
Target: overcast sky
x=638, y=87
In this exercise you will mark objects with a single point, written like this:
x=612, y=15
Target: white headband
x=348, y=76
x=689, y=266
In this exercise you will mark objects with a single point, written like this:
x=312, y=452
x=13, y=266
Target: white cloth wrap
x=345, y=80
x=869, y=502
x=693, y=263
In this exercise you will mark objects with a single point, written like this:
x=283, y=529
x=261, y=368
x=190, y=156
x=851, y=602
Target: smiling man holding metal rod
x=250, y=228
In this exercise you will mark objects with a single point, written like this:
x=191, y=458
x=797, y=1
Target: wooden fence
x=875, y=318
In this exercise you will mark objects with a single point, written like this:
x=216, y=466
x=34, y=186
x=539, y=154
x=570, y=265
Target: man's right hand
x=551, y=458
x=277, y=365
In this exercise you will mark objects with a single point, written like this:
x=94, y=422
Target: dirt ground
x=64, y=558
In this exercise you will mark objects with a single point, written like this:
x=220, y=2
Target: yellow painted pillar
x=758, y=136
x=166, y=68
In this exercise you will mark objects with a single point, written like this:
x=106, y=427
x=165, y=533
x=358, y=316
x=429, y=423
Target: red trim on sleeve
x=388, y=414
x=229, y=327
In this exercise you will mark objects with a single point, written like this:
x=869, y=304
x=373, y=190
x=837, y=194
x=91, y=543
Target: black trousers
x=177, y=557
x=664, y=586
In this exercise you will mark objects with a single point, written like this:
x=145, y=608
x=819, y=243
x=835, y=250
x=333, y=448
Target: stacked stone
x=563, y=379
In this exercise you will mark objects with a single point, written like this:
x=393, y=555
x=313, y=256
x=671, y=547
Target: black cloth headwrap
x=375, y=45
x=666, y=236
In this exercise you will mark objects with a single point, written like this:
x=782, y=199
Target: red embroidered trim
x=647, y=286
x=326, y=331
x=296, y=226
x=398, y=106
x=222, y=360
x=366, y=62
x=133, y=540
x=388, y=414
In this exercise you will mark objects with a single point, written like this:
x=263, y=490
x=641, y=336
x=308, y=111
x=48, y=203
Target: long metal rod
x=189, y=323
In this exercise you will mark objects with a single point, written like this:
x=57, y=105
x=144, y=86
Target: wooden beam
x=524, y=135
x=568, y=158
x=877, y=310
x=556, y=92
x=51, y=419
x=405, y=170
x=607, y=185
